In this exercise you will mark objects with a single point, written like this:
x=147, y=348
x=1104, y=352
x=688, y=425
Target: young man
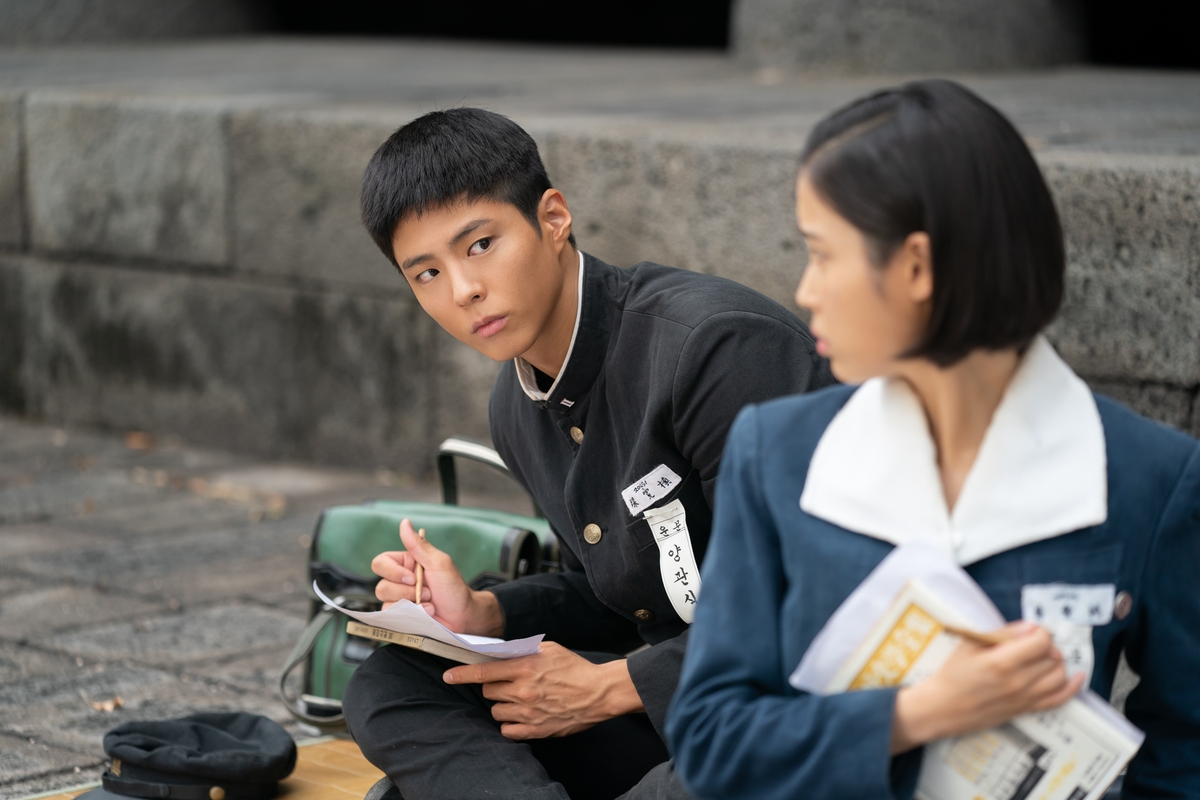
x=611, y=410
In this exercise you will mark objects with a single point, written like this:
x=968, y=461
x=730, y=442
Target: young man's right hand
x=445, y=596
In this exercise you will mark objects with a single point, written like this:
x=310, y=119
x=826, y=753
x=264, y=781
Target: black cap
x=199, y=757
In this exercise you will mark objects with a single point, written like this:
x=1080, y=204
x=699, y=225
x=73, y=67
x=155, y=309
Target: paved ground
x=123, y=573
x=170, y=577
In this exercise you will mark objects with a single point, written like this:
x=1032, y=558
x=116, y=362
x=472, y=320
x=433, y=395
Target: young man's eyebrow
x=412, y=262
x=469, y=228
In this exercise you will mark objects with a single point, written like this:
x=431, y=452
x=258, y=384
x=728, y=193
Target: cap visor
x=100, y=793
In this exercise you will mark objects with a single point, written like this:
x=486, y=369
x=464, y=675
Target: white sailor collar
x=525, y=370
x=1041, y=469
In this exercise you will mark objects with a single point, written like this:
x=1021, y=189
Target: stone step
x=183, y=250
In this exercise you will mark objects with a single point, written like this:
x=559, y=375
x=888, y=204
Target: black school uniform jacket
x=661, y=362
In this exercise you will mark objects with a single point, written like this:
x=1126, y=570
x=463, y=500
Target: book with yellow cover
x=1073, y=752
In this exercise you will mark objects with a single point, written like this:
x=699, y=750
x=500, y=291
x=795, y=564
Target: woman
x=936, y=258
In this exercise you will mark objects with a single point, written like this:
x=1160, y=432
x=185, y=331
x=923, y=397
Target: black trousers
x=436, y=741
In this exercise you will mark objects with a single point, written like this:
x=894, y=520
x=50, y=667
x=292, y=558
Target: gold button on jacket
x=592, y=533
x=577, y=435
x=644, y=614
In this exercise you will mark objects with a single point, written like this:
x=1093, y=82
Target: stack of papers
x=411, y=620
x=890, y=632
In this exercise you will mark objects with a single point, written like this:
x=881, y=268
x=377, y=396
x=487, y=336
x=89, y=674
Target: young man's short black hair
x=445, y=156
x=932, y=156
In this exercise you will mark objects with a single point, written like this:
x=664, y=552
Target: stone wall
x=50, y=22
x=874, y=36
x=197, y=267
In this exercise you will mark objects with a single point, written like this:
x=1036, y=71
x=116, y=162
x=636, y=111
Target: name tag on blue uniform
x=1053, y=603
x=1070, y=612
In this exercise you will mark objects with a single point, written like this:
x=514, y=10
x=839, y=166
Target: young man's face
x=486, y=275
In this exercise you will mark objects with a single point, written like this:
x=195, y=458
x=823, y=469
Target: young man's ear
x=555, y=217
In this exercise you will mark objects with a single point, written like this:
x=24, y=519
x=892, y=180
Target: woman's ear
x=917, y=262
x=554, y=214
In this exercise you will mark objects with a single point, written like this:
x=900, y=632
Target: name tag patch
x=1069, y=613
x=1051, y=603
x=654, y=485
x=677, y=562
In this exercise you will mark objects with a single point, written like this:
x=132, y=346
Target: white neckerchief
x=525, y=369
x=1041, y=469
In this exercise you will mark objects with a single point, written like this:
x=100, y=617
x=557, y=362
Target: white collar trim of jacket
x=1041, y=469
x=525, y=369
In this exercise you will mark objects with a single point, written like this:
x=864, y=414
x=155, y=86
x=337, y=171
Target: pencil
x=976, y=636
x=420, y=572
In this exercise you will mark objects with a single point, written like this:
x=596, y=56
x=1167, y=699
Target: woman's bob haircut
x=932, y=156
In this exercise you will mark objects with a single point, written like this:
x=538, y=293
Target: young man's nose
x=467, y=288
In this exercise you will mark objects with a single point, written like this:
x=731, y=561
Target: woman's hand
x=552, y=693
x=982, y=686
x=445, y=595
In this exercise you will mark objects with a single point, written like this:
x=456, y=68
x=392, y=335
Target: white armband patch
x=677, y=562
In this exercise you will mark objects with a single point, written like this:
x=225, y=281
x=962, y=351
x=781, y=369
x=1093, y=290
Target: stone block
x=1132, y=225
x=340, y=377
x=874, y=36
x=78, y=21
x=127, y=177
x=710, y=206
x=12, y=343
x=12, y=212
x=295, y=178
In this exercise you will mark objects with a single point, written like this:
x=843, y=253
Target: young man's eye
x=426, y=276
x=483, y=245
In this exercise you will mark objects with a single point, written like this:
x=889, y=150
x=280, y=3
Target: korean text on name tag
x=650, y=488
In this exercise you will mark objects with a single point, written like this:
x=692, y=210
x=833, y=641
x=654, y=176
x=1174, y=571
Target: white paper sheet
x=935, y=568
x=408, y=617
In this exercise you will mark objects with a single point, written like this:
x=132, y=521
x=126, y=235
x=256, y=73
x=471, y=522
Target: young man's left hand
x=552, y=693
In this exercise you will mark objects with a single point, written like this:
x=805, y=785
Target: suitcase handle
x=461, y=447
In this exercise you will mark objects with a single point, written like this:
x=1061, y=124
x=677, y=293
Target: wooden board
x=326, y=769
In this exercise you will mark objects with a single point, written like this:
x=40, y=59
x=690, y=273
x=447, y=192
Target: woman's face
x=864, y=316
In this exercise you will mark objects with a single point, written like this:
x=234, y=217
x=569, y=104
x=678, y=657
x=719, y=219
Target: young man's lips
x=489, y=326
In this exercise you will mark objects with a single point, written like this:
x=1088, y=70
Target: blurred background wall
x=837, y=34
x=179, y=243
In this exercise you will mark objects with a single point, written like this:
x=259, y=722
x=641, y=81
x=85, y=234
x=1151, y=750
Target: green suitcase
x=487, y=546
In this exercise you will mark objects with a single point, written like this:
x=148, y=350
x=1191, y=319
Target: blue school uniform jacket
x=1050, y=502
